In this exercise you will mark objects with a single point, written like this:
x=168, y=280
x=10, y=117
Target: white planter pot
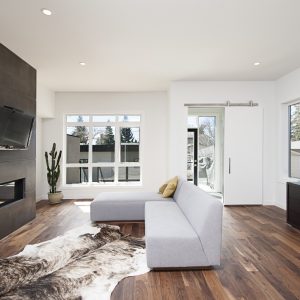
x=55, y=198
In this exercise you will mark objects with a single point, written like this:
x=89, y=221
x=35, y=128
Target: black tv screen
x=15, y=128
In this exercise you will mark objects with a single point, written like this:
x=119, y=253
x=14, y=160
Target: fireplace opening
x=12, y=191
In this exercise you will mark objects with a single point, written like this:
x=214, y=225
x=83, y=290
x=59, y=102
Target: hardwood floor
x=260, y=256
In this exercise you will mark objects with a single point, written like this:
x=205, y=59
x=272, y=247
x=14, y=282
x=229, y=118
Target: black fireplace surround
x=17, y=167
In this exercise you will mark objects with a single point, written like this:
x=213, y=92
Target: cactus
x=53, y=171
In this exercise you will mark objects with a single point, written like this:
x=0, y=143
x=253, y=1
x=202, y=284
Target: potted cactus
x=53, y=172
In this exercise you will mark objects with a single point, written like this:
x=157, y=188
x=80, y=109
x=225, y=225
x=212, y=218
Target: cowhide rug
x=85, y=263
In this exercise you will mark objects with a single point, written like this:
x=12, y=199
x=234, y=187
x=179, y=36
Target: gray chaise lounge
x=119, y=206
x=185, y=231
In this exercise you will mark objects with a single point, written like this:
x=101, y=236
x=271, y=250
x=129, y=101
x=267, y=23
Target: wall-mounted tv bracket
x=13, y=109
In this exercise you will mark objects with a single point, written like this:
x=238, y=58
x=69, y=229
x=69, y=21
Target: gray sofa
x=183, y=231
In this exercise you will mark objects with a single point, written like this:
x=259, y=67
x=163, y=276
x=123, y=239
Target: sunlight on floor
x=84, y=206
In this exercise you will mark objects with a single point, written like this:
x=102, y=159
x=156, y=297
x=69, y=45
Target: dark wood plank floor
x=260, y=256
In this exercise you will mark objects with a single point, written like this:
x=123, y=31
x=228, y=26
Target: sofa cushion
x=170, y=239
x=120, y=206
x=178, y=188
x=204, y=213
x=162, y=188
x=171, y=187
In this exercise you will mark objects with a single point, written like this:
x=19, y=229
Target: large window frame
x=90, y=124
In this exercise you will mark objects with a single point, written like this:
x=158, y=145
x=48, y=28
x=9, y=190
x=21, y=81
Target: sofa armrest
x=210, y=232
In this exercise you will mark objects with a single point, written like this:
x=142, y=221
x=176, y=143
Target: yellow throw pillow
x=162, y=188
x=171, y=187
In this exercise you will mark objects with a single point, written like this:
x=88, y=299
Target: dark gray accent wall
x=18, y=90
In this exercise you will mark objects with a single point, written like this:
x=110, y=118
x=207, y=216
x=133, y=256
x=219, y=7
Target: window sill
x=288, y=179
x=100, y=186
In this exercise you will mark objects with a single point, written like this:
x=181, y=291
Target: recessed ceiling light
x=82, y=63
x=256, y=64
x=46, y=12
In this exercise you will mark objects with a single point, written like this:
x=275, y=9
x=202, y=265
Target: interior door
x=243, y=138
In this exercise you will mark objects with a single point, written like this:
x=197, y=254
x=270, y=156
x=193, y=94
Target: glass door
x=207, y=153
x=192, y=150
x=206, y=148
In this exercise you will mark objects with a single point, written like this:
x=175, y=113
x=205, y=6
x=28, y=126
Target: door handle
x=229, y=165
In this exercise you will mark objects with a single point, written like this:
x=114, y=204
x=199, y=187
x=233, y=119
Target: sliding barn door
x=243, y=138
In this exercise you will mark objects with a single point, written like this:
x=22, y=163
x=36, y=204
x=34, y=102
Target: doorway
x=205, y=148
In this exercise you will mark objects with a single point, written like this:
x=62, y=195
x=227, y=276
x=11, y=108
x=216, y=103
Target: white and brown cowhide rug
x=85, y=263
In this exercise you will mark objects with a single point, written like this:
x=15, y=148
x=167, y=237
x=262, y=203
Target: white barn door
x=243, y=141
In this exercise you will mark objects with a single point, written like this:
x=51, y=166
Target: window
x=102, y=149
x=294, y=140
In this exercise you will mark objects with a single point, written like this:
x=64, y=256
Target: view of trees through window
x=294, y=153
x=107, y=151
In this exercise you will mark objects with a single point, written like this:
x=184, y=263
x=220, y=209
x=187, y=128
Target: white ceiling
x=133, y=45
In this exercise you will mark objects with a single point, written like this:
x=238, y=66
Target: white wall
x=44, y=109
x=165, y=122
x=206, y=92
x=287, y=92
x=154, y=135
x=44, y=102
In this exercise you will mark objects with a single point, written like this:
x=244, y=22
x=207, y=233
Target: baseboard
x=40, y=197
x=281, y=205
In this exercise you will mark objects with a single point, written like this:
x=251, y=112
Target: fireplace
x=17, y=167
x=12, y=191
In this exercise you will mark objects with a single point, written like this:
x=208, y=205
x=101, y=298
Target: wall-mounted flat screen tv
x=15, y=128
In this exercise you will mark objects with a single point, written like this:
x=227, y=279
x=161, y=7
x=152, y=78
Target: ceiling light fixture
x=256, y=64
x=46, y=12
x=82, y=63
